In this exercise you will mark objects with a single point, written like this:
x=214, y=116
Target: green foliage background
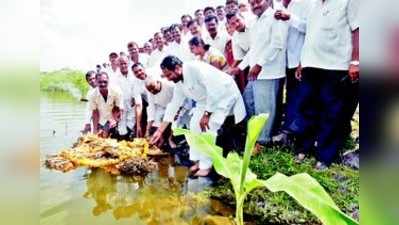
x=66, y=80
x=265, y=207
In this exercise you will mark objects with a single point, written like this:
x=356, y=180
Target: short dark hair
x=186, y=15
x=220, y=7
x=210, y=18
x=231, y=1
x=231, y=15
x=130, y=44
x=156, y=33
x=170, y=62
x=174, y=26
x=89, y=73
x=191, y=23
x=195, y=12
x=209, y=8
x=113, y=55
x=136, y=65
x=196, y=41
x=101, y=73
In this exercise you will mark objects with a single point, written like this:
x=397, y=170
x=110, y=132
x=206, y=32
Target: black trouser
x=231, y=136
x=351, y=102
x=321, y=112
x=291, y=102
x=144, y=116
x=278, y=119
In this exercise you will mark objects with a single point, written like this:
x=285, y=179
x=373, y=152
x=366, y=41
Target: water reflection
x=157, y=199
x=85, y=196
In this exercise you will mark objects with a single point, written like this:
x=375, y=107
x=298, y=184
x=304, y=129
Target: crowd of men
x=296, y=60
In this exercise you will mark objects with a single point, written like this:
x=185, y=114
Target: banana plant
x=302, y=187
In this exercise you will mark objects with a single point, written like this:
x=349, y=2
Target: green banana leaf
x=310, y=195
x=255, y=126
x=302, y=187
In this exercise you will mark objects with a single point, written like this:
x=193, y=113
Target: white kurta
x=157, y=103
x=157, y=56
x=143, y=59
x=268, y=46
x=181, y=51
x=112, y=75
x=248, y=16
x=219, y=42
x=241, y=42
x=97, y=102
x=213, y=91
x=127, y=84
x=328, y=41
x=88, y=112
x=299, y=11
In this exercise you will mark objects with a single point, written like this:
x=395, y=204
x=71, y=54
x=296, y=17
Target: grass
x=69, y=81
x=264, y=207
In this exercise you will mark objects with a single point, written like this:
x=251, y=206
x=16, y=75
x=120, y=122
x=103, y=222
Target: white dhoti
x=216, y=121
x=128, y=118
x=158, y=115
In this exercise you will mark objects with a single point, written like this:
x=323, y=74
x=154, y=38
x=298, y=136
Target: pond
x=86, y=196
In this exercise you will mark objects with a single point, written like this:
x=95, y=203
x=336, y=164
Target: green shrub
x=265, y=207
x=302, y=187
x=69, y=81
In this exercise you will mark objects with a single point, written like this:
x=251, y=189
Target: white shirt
x=328, y=41
x=299, y=11
x=219, y=42
x=248, y=16
x=240, y=43
x=111, y=75
x=268, y=46
x=157, y=57
x=157, y=103
x=88, y=112
x=96, y=101
x=204, y=32
x=185, y=37
x=143, y=59
x=211, y=89
x=127, y=85
x=181, y=51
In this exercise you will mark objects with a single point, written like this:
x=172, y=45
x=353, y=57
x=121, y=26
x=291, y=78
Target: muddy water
x=95, y=197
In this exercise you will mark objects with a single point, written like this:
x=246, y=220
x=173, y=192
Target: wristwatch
x=355, y=62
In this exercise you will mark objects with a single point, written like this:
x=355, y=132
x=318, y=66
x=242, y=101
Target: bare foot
x=300, y=157
x=202, y=173
x=321, y=166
